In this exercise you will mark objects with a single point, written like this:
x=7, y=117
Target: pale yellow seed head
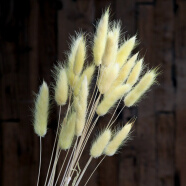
x=61, y=88
x=111, y=47
x=145, y=83
x=80, y=57
x=134, y=75
x=73, y=50
x=111, y=97
x=41, y=111
x=125, y=70
x=100, y=143
x=118, y=140
x=100, y=38
x=125, y=51
x=72, y=78
x=107, y=77
x=88, y=72
x=67, y=132
x=81, y=107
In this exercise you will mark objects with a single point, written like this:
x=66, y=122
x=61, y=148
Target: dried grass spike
x=107, y=77
x=125, y=70
x=111, y=98
x=80, y=57
x=88, y=72
x=136, y=71
x=119, y=138
x=67, y=132
x=111, y=47
x=81, y=107
x=100, y=143
x=100, y=38
x=41, y=110
x=145, y=83
x=125, y=51
x=61, y=88
x=71, y=59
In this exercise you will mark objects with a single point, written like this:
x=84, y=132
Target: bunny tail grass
x=100, y=143
x=100, y=38
x=81, y=107
x=125, y=70
x=145, y=83
x=107, y=77
x=125, y=51
x=61, y=88
x=118, y=140
x=80, y=57
x=111, y=48
x=134, y=75
x=41, y=110
x=72, y=78
x=88, y=72
x=111, y=98
x=67, y=132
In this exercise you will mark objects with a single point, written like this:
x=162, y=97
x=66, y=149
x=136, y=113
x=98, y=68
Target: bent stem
x=83, y=172
x=39, y=162
x=79, y=151
x=69, y=163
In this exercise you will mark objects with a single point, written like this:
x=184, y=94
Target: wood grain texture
x=35, y=34
x=180, y=59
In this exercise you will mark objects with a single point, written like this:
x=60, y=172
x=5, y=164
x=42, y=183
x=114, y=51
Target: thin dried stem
x=94, y=89
x=53, y=146
x=84, y=144
x=74, y=160
x=114, y=113
x=83, y=172
x=94, y=170
x=116, y=118
x=39, y=161
x=51, y=180
x=62, y=167
x=71, y=158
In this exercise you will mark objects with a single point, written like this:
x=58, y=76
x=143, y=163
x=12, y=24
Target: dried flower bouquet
x=119, y=76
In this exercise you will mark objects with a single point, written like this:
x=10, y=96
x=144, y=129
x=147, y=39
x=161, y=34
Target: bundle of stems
x=119, y=76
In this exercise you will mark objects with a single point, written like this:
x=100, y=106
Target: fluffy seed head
x=134, y=75
x=61, y=88
x=41, y=111
x=111, y=97
x=100, y=38
x=81, y=107
x=67, y=132
x=71, y=59
x=145, y=83
x=73, y=50
x=100, y=143
x=107, y=77
x=118, y=140
x=111, y=47
x=88, y=72
x=80, y=57
x=125, y=70
x=125, y=51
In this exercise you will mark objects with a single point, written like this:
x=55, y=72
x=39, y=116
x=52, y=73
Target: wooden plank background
x=34, y=35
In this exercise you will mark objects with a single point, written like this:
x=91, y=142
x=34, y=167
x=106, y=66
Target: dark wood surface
x=34, y=35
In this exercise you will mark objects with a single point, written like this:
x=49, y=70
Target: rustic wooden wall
x=33, y=36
